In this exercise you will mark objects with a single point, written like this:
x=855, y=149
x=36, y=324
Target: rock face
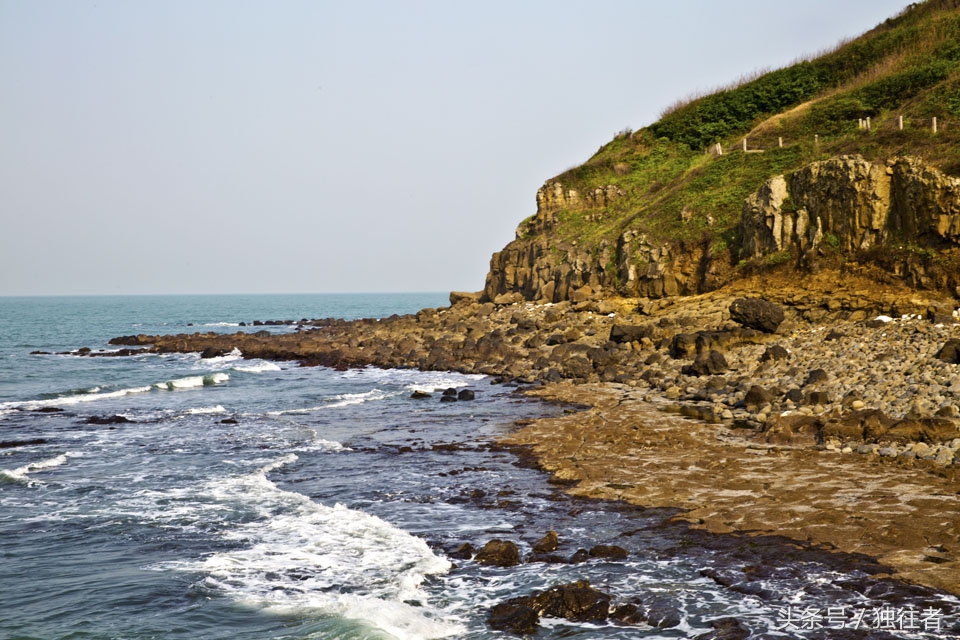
x=849, y=203
x=855, y=205
x=543, y=268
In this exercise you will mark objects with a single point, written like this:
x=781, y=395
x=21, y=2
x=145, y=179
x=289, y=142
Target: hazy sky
x=177, y=146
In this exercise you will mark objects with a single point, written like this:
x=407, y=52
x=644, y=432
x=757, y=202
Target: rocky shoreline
x=830, y=427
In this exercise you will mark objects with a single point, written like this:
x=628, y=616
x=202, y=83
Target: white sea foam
x=90, y=396
x=257, y=367
x=19, y=475
x=413, y=380
x=192, y=382
x=341, y=400
x=205, y=410
x=303, y=556
x=95, y=394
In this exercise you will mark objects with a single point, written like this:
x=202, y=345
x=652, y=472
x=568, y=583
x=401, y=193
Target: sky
x=237, y=146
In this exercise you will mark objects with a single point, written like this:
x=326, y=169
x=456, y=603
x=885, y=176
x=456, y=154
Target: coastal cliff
x=902, y=214
x=844, y=161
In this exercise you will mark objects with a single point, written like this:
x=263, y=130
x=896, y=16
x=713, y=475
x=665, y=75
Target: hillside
x=659, y=211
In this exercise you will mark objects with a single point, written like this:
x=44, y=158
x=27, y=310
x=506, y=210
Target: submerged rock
x=576, y=601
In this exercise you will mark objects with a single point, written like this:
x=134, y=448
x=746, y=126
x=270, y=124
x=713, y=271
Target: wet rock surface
x=849, y=441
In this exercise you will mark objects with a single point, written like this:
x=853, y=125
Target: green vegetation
x=674, y=188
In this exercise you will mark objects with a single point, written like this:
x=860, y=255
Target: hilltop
x=659, y=211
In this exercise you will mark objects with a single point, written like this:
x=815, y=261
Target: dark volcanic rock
x=725, y=629
x=500, y=553
x=757, y=313
x=463, y=552
x=418, y=395
x=816, y=376
x=577, y=601
x=547, y=543
x=757, y=397
x=817, y=397
x=608, y=551
x=515, y=615
x=115, y=419
x=630, y=333
x=929, y=430
x=774, y=352
x=683, y=345
x=707, y=364
x=465, y=394
x=580, y=555
x=794, y=395
x=950, y=352
x=10, y=444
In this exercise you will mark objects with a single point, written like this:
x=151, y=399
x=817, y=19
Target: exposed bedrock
x=845, y=204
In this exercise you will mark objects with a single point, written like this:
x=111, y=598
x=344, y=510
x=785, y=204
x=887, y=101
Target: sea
x=175, y=497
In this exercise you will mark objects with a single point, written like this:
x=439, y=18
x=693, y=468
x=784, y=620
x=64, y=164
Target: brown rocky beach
x=829, y=427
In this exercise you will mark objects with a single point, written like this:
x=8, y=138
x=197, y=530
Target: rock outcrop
x=847, y=203
x=540, y=266
x=853, y=205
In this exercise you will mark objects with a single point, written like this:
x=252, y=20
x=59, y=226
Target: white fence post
x=900, y=122
x=780, y=141
x=744, y=144
x=868, y=123
x=934, y=125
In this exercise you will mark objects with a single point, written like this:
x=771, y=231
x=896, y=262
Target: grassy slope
x=909, y=66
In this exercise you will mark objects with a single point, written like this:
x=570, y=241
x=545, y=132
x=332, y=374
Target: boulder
x=547, y=543
x=706, y=364
x=465, y=394
x=499, y=553
x=950, y=351
x=683, y=345
x=576, y=601
x=464, y=297
x=928, y=430
x=463, y=552
x=774, y=353
x=725, y=629
x=516, y=616
x=608, y=552
x=115, y=419
x=621, y=333
x=757, y=397
x=756, y=313
x=814, y=398
x=419, y=395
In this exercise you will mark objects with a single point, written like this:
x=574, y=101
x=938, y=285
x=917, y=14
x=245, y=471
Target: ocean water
x=251, y=499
